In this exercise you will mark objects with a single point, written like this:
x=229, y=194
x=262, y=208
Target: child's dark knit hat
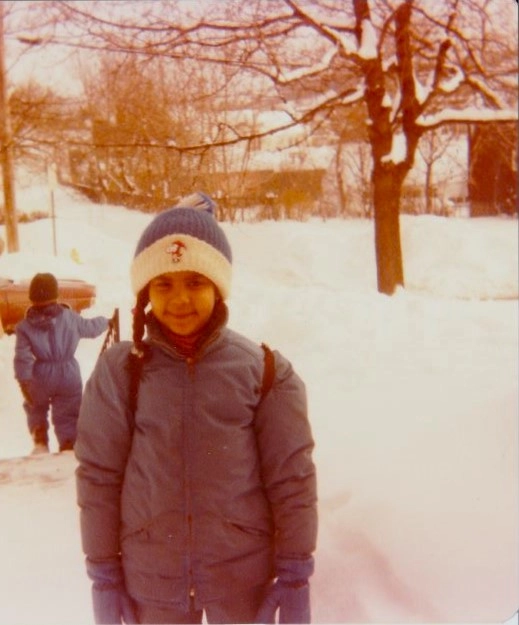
x=43, y=288
x=184, y=239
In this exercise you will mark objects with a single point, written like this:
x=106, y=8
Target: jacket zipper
x=191, y=580
x=190, y=362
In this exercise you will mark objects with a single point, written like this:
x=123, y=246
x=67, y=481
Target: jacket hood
x=43, y=316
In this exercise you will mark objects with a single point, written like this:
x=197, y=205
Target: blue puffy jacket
x=46, y=342
x=211, y=485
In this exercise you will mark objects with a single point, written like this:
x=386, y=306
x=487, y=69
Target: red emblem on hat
x=176, y=249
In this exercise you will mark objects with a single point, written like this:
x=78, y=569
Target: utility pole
x=6, y=153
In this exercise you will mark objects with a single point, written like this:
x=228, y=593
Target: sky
x=413, y=402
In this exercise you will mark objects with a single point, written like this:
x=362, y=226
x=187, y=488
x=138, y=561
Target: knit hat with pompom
x=184, y=238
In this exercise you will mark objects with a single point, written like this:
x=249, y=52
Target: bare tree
x=432, y=147
x=39, y=120
x=414, y=65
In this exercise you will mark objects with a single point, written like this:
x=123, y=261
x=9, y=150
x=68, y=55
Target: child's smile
x=183, y=301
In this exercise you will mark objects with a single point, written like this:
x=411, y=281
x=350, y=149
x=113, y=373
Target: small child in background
x=45, y=365
x=197, y=492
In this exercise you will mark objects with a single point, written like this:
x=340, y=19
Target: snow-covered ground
x=413, y=402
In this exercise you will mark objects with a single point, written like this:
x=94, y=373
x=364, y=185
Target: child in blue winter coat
x=197, y=491
x=45, y=366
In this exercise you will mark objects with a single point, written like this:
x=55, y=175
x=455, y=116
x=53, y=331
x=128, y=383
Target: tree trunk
x=6, y=155
x=387, y=188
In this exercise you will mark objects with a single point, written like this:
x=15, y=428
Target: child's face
x=183, y=301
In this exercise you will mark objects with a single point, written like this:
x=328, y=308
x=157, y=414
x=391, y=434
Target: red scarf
x=188, y=346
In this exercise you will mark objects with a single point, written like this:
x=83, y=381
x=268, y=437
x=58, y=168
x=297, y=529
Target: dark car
x=14, y=298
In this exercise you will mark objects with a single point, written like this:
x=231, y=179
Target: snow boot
x=66, y=446
x=39, y=448
x=41, y=441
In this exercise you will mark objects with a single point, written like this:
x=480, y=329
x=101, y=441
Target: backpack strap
x=135, y=367
x=269, y=370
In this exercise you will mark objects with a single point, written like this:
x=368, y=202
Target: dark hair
x=43, y=288
x=140, y=352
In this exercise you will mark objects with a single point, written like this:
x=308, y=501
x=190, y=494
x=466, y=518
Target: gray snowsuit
x=46, y=341
x=210, y=486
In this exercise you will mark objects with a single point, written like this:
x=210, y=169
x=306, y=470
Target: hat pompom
x=198, y=201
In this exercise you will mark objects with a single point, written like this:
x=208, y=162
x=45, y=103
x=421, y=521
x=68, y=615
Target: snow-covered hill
x=413, y=403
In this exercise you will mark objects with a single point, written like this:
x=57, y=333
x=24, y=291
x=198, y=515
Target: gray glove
x=290, y=593
x=111, y=602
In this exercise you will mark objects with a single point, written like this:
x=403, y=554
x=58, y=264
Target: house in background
x=492, y=181
x=287, y=174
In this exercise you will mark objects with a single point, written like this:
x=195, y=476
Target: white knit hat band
x=181, y=252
